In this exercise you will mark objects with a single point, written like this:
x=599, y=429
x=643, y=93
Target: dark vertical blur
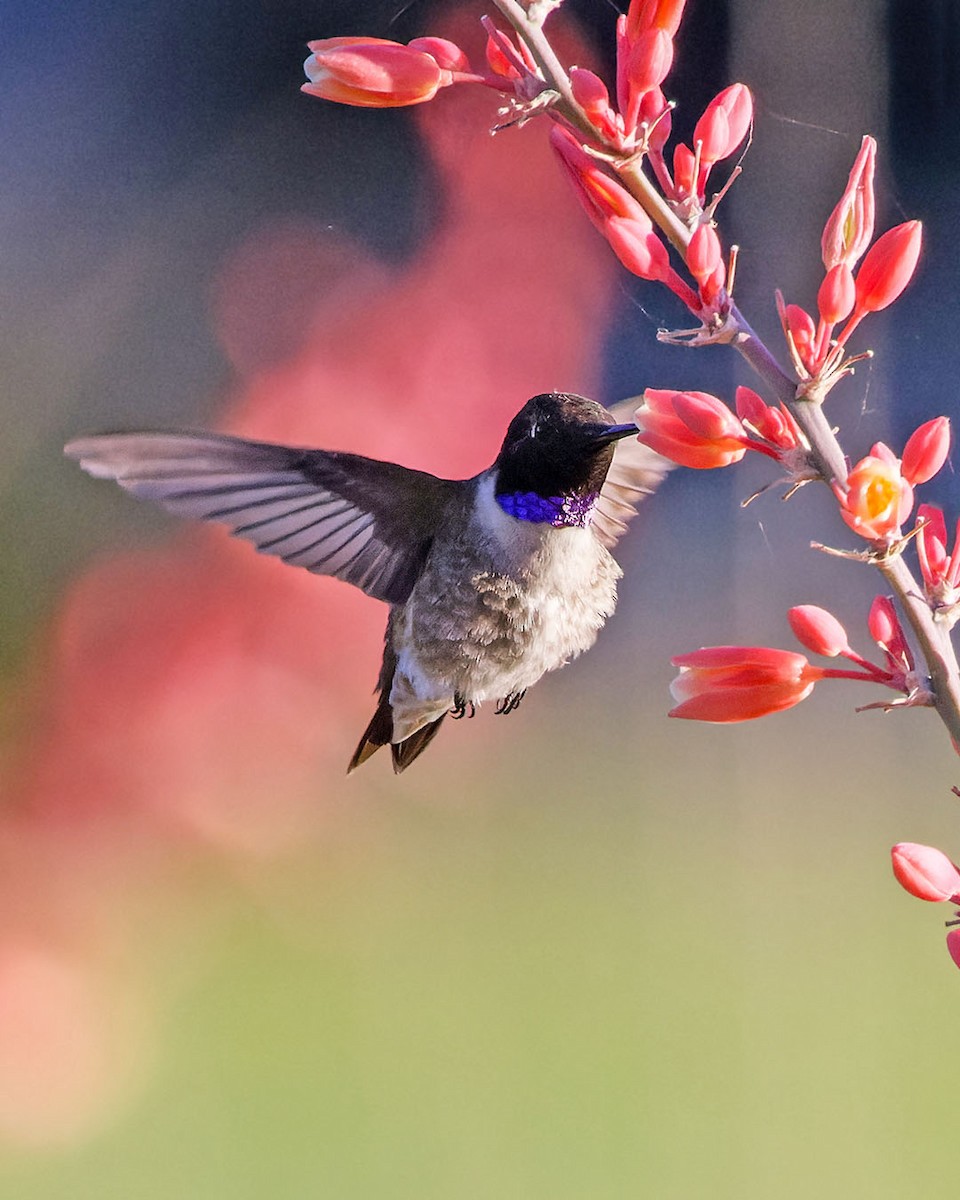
x=924, y=142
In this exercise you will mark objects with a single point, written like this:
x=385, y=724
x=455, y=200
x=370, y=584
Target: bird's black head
x=558, y=444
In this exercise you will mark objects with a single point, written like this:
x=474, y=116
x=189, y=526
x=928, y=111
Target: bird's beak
x=613, y=433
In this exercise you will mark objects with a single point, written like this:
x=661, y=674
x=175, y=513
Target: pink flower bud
x=849, y=227
x=637, y=246
x=371, y=73
x=447, y=54
x=648, y=63
x=932, y=545
x=683, y=175
x=724, y=123
x=707, y=417
x=660, y=14
x=709, y=440
x=739, y=683
x=590, y=92
x=885, y=628
x=800, y=325
x=953, y=945
x=600, y=194
x=837, y=294
x=925, y=872
x=655, y=114
x=888, y=267
x=703, y=253
x=926, y=451
x=774, y=425
x=818, y=630
x=497, y=58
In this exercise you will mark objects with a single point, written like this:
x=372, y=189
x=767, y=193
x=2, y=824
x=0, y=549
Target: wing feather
x=635, y=473
x=370, y=523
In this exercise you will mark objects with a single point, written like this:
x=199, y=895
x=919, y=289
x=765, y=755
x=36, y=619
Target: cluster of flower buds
x=377, y=73
x=887, y=268
x=928, y=874
x=696, y=429
x=725, y=684
x=640, y=127
x=618, y=216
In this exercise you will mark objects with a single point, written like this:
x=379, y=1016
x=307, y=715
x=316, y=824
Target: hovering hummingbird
x=492, y=581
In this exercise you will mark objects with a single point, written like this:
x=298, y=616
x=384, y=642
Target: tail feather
x=378, y=733
x=412, y=747
x=380, y=730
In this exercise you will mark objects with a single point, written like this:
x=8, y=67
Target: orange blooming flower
x=370, y=72
x=877, y=499
x=925, y=872
x=723, y=684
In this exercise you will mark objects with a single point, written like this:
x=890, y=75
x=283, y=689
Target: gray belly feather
x=499, y=604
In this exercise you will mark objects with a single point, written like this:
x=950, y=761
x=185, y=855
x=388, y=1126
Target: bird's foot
x=462, y=708
x=509, y=703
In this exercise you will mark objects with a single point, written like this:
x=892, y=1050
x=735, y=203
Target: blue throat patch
x=574, y=511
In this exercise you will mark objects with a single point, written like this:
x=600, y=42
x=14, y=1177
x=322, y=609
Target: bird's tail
x=379, y=733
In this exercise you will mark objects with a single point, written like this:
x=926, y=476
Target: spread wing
x=367, y=522
x=635, y=473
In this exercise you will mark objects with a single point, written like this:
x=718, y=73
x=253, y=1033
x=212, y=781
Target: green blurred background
x=586, y=952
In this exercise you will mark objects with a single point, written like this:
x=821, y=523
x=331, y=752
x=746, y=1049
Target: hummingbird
x=491, y=581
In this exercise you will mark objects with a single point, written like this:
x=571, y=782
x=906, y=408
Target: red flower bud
x=774, y=425
x=837, y=294
x=600, y=194
x=371, y=73
x=703, y=253
x=818, y=630
x=590, y=92
x=888, y=267
x=660, y=14
x=925, y=872
x=447, y=54
x=953, y=945
x=849, y=227
x=637, y=246
x=683, y=164
x=803, y=331
x=693, y=429
x=887, y=632
x=655, y=114
x=724, y=123
x=926, y=451
x=645, y=64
